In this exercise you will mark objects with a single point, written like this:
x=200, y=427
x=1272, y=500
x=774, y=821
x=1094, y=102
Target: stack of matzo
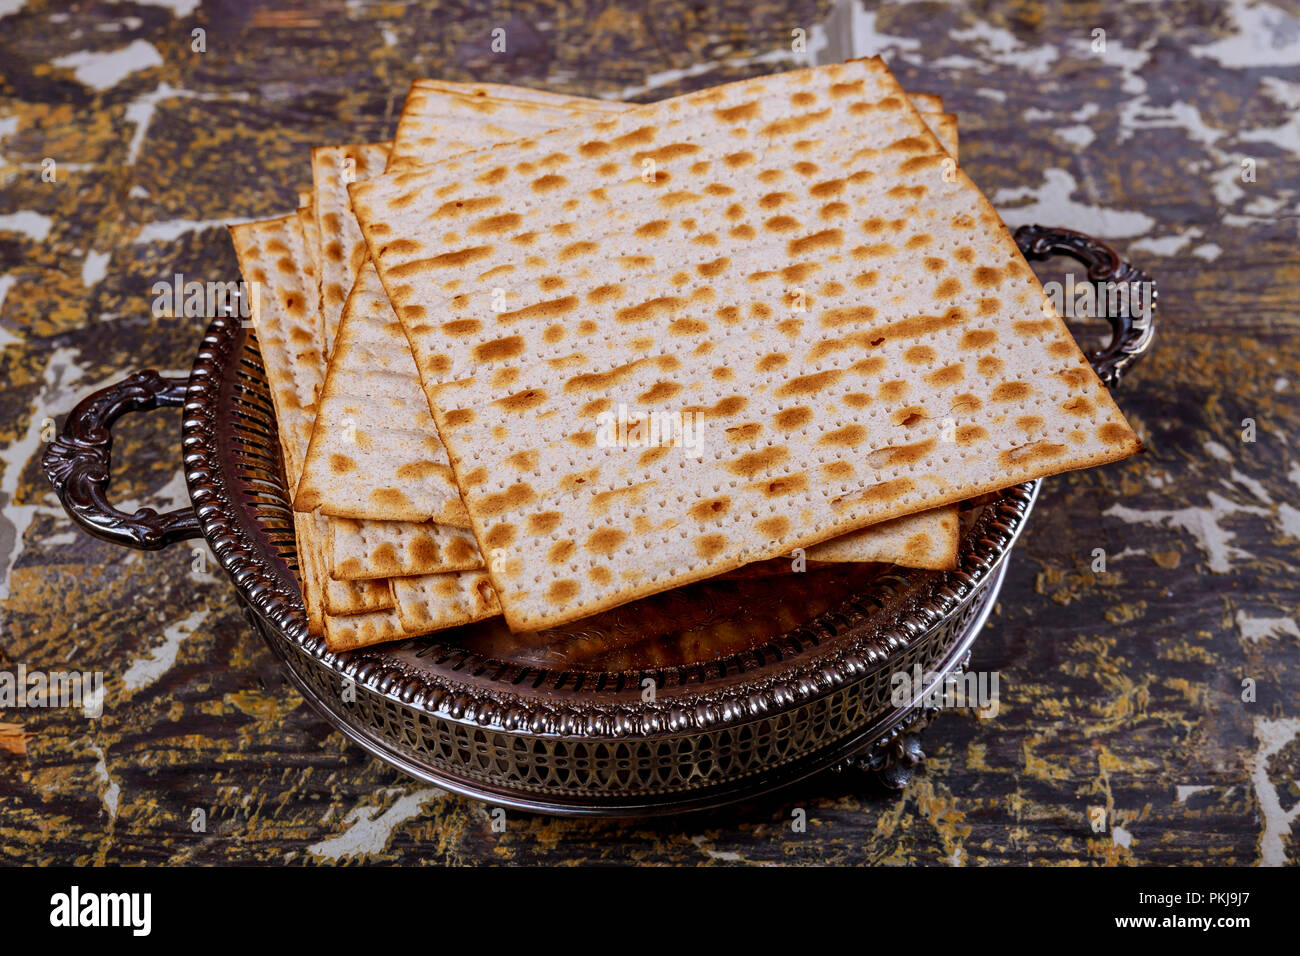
x=792, y=259
x=365, y=459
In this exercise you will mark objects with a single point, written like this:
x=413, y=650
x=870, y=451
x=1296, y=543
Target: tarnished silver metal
x=78, y=463
x=1131, y=334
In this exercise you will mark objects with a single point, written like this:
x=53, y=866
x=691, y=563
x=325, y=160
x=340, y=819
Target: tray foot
x=891, y=761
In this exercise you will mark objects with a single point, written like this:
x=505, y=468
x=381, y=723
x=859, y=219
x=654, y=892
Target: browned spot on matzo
x=825, y=239
x=1035, y=451
x=749, y=465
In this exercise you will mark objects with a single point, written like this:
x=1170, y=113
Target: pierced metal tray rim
x=897, y=722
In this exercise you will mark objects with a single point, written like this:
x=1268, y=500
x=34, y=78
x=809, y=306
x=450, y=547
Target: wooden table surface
x=1120, y=689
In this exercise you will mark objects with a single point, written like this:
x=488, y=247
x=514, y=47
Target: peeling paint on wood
x=1121, y=689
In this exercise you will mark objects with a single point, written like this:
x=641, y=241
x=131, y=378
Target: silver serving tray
x=757, y=682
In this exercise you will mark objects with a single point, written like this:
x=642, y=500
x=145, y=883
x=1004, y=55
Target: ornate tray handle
x=78, y=465
x=1131, y=335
